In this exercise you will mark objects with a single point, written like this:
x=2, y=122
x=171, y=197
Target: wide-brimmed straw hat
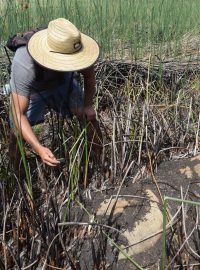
x=63, y=47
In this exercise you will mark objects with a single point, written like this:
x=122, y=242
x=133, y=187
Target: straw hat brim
x=40, y=51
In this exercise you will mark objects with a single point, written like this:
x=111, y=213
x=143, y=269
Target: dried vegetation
x=148, y=113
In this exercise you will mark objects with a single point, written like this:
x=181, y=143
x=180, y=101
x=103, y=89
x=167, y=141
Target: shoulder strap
x=9, y=60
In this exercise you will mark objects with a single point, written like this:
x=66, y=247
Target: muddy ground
x=138, y=214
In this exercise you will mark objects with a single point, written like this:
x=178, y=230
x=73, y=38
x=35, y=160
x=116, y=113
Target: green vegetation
x=147, y=110
x=121, y=27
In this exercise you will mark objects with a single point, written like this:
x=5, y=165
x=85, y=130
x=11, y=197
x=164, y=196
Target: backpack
x=21, y=39
x=18, y=40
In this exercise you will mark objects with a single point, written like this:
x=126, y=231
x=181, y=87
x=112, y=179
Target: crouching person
x=42, y=76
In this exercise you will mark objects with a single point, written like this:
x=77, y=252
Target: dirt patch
x=138, y=211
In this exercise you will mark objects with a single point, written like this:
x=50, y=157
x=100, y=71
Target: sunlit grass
x=120, y=27
x=140, y=116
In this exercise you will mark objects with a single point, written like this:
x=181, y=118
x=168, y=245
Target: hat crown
x=63, y=36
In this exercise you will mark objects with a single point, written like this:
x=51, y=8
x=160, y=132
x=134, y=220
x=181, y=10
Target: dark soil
x=172, y=177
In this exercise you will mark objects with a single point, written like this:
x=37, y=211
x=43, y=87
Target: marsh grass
x=122, y=28
x=145, y=116
x=143, y=122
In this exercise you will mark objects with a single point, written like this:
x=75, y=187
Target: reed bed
x=122, y=28
x=143, y=120
x=147, y=101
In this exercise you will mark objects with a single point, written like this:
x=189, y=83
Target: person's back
x=28, y=77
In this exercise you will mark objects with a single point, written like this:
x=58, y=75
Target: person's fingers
x=50, y=154
x=53, y=161
x=48, y=157
x=50, y=164
x=52, y=157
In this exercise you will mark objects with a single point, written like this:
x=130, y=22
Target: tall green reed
x=122, y=28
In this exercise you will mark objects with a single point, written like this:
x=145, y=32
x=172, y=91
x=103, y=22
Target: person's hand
x=47, y=156
x=89, y=113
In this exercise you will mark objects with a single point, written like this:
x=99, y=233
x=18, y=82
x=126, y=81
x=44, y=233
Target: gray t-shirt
x=28, y=77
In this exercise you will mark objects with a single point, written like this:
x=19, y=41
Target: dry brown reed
x=146, y=115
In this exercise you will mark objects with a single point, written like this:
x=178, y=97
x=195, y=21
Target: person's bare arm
x=93, y=129
x=89, y=87
x=19, y=106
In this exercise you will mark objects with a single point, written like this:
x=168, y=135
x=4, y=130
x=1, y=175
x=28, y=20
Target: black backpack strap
x=9, y=60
